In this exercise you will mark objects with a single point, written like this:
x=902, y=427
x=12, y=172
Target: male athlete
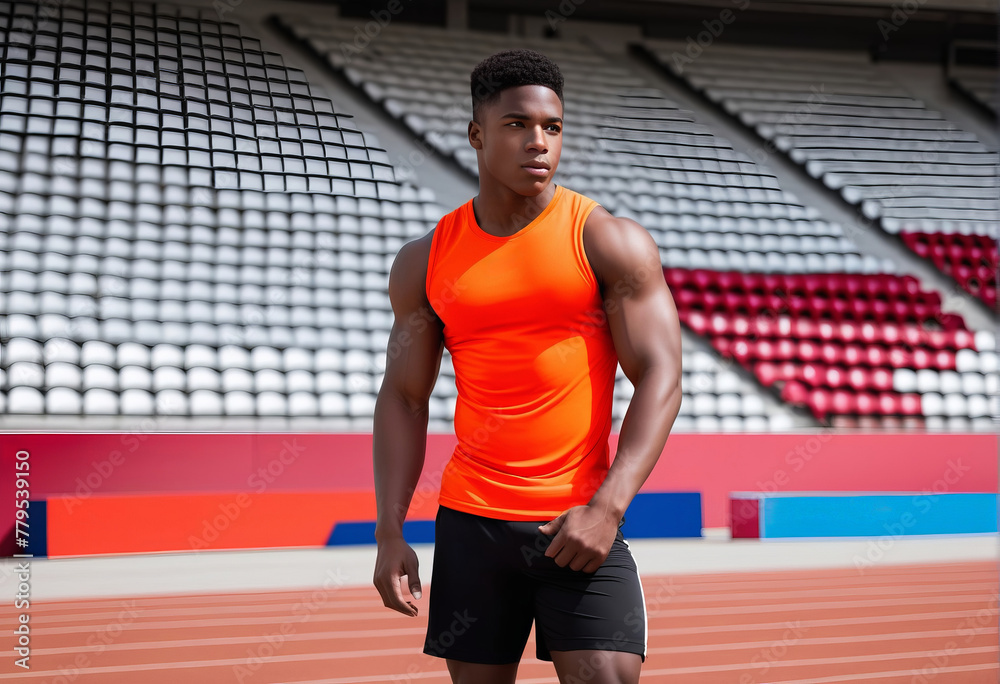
x=538, y=293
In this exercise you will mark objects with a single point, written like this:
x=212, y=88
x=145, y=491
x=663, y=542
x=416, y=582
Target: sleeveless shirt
x=534, y=362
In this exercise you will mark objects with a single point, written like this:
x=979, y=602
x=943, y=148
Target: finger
x=389, y=599
x=392, y=597
x=557, y=544
x=565, y=556
x=413, y=577
x=406, y=607
x=552, y=526
x=580, y=561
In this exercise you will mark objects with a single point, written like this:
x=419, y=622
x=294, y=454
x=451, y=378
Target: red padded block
x=744, y=518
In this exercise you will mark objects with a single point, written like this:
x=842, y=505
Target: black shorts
x=491, y=579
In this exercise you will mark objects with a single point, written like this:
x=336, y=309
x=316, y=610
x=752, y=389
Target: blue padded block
x=857, y=514
x=347, y=533
x=37, y=529
x=663, y=514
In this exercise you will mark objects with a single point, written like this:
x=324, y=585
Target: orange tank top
x=534, y=362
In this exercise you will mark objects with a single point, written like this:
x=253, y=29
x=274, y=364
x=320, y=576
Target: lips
x=536, y=168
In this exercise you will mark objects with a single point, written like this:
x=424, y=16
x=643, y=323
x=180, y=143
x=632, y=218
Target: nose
x=537, y=141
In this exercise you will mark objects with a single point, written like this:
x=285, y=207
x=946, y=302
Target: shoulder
x=410, y=266
x=617, y=245
x=408, y=274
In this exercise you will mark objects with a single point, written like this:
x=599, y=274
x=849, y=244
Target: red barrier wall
x=80, y=466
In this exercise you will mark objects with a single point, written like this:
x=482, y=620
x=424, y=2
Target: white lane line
x=868, y=676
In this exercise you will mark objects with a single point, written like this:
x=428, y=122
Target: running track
x=886, y=625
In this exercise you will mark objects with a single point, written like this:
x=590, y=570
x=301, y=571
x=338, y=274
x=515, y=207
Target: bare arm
x=647, y=335
x=646, y=332
x=413, y=359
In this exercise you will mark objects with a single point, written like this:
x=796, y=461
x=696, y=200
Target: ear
x=475, y=135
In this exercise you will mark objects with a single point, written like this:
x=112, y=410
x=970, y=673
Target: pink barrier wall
x=85, y=464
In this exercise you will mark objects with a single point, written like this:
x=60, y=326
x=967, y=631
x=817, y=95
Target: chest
x=522, y=283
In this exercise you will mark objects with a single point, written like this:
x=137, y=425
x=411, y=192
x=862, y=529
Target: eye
x=554, y=127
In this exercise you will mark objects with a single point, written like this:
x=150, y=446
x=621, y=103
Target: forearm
x=399, y=443
x=644, y=431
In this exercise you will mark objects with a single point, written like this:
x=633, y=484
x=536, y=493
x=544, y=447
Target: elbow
x=673, y=384
x=413, y=405
x=665, y=375
x=667, y=379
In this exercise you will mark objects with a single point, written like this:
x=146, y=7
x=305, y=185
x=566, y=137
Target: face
x=518, y=138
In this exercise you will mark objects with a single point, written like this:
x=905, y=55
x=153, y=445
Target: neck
x=502, y=212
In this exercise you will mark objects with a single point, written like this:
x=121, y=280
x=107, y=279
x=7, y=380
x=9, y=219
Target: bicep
x=641, y=312
x=416, y=340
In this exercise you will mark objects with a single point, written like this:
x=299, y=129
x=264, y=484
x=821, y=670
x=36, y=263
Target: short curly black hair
x=510, y=69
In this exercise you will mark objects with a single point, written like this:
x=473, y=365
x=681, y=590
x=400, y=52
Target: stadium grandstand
x=200, y=205
x=195, y=229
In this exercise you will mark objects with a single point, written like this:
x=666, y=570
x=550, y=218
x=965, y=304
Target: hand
x=583, y=538
x=394, y=560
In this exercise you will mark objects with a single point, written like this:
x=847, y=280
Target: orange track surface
x=889, y=625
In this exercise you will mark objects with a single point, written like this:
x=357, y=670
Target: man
x=538, y=293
